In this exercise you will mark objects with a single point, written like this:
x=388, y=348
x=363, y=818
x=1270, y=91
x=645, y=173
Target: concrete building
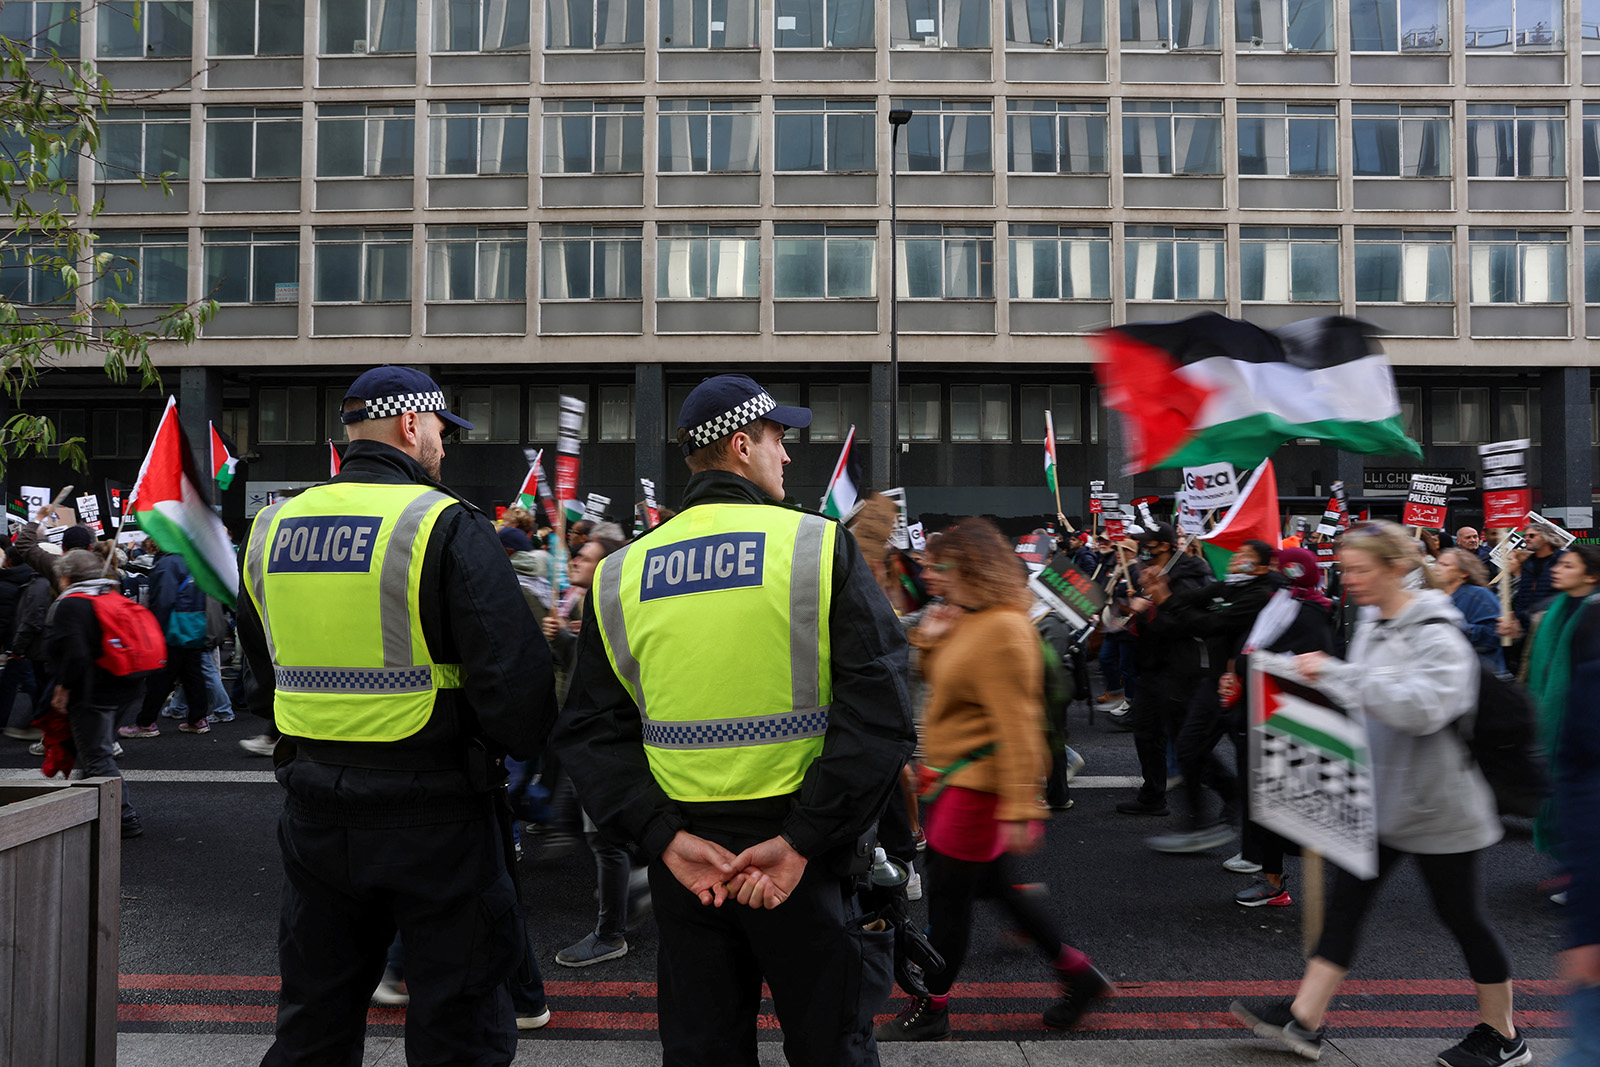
x=615, y=198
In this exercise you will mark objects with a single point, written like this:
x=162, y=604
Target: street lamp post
x=897, y=119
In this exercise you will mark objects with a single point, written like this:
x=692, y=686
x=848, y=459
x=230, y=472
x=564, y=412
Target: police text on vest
x=324, y=543
x=721, y=561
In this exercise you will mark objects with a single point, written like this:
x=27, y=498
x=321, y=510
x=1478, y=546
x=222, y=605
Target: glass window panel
x=1444, y=413
x=616, y=413
x=918, y=415
x=282, y=28
x=230, y=149
x=233, y=27
x=278, y=150
x=274, y=264
x=338, y=272
x=965, y=412
x=227, y=270
x=852, y=269
x=799, y=142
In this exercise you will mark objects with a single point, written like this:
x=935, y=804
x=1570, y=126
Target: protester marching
x=806, y=758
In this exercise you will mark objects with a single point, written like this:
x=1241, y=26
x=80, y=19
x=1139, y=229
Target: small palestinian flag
x=1211, y=388
x=573, y=510
x=171, y=504
x=528, y=495
x=224, y=465
x=1050, y=451
x=334, y=463
x=1254, y=516
x=839, y=501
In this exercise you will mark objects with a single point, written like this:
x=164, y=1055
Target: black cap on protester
x=719, y=406
x=1159, y=532
x=389, y=390
x=79, y=536
x=515, y=539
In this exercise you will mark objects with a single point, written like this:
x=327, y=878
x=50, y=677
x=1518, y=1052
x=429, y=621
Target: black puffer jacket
x=13, y=580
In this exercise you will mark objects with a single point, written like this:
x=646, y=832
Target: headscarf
x=1304, y=574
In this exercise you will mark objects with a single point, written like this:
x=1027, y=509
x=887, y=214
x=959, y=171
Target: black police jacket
x=870, y=733
x=473, y=613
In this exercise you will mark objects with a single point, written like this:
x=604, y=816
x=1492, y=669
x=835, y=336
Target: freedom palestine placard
x=1310, y=771
x=1068, y=592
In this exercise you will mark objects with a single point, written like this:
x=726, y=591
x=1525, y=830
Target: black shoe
x=1277, y=1022
x=132, y=828
x=1484, y=1047
x=920, y=1021
x=1141, y=806
x=1077, y=990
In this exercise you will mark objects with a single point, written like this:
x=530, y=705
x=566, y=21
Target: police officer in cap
x=404, y=665
x=739, y=709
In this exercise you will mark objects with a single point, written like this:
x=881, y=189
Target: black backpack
x=1504, y=739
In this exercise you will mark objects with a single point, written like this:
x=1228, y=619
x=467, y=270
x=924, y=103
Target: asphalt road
x=200, y=894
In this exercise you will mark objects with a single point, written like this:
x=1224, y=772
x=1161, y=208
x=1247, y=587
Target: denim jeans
x=1583, y=1007
x=216, y=692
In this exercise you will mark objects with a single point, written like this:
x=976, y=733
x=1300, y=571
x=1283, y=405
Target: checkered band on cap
x=729, y=421
x=384, y=407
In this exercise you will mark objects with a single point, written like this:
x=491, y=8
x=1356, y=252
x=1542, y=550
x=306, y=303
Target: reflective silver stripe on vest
x=256, y=558
x=394, y=584
x=806, y=720
x=615, y=627
x=353, y=679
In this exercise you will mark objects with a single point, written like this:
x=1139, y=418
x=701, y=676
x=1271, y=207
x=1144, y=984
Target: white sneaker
x=1117, y=710
x=391, y=991
x=914, y=886
x=116, y=749
x=1239, y=865
x=533, y=1022
x=36, y=749
x=260, y=745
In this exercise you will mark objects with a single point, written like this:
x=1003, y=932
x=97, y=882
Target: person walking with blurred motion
x=1462, y=575
x=983, y=733
x=1411, y=671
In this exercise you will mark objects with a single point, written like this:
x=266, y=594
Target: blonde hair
x=1390, y=544
x=1469, y=565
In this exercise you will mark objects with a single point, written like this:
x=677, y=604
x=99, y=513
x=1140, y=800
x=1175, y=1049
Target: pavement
x=199, y=926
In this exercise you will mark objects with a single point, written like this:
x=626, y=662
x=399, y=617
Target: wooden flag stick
x=1311, y=900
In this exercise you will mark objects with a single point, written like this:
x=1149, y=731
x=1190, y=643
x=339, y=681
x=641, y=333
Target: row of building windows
x=1273, y=139
x=164, y=28
x=814, y=261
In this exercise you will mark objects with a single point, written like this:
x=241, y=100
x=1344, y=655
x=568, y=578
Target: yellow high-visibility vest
x=335, y=575
x=717, y=625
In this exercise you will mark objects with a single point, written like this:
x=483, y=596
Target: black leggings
x=1452, y=882
x=952, y=887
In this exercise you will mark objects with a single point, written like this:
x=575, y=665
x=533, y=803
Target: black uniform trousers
x=1204, y=725
x=828, y=976
x=1158, y=712
x=346, y=891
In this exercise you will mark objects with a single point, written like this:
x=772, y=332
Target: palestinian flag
x=839, y=502
x=170, y=502
x=528, y=496
x=573, y=510
x=223, y=463
x=1211, y=388
x=1050, y=451
x=334, y=463
x=1254, y=516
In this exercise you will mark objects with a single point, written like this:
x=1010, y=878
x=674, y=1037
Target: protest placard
x=1557, y=536
x=1336, y=516
x=919, y=537
x=1034, y=550
x=1211, y=486
x=1310, y=770
x=898, y=537
x=1506, y=495
x=1068, y=591
x=594, y=509
x=1190, y=519
x=1428, y=501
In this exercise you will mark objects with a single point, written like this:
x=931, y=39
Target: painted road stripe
x=138, y=774
x=1008, y=1022
x=1432, y=987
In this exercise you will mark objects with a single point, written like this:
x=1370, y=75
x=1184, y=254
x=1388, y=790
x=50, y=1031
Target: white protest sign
x=1214, y=485
x=1190, y=520
x=1428, y=502
x=899, y=537
x=89, y=509
x=1557, y=537
x=36, y=497
x=919, y=538
x=594, y=509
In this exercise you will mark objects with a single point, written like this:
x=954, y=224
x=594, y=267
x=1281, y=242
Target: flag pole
x=1055, y=470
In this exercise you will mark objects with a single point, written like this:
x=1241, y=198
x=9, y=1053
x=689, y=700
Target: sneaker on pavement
x=1105, y=699
x=132, y=828
x=1141, y=806
x=1117, y=709
x=200, y=727
x=1074, y=764
x=1263, y=893
x=914, y=886
x=220, y=716
x=1239, y=865
x=1077, y=990
x=391, y=991
x=533, y=1020
x=1485, y=1047
x=1559, y=899
x=24, y=733
x=116, y=749
x=1201, y=840
x=920, y=1021
x=170, y=712
x=1277, y=1022
x=135, y=730
x=259, y=745
x=36, y=749
x=592, y=950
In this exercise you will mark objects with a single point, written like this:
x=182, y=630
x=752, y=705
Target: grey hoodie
x=1414, y=676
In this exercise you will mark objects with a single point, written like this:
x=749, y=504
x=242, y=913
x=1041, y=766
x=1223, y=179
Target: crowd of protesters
x=1397, y=623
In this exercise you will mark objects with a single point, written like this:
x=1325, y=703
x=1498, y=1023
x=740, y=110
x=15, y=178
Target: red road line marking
x=1172, y=990
x=961, y=1021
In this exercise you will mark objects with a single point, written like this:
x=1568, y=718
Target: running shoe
x=1484, y=1047
x=1074, y=763
x=591, y=950
x=1077, y=990
x=920, y=1021
x=1277, y=1021
x=135, y=730
x=391, y=991
x=1239, y=865
x=221, y=716
x=1201, y=840
x=1263, y=893
x=259, y=745
x=533, y=1020
x=200, y=727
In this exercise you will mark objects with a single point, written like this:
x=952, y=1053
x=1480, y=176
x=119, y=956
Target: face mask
x=1145, y=555
x=1238, y=578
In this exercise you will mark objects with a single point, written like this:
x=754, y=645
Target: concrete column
x=199, y=404
x=882, y=447
x=1116, y=454
x=1567, y=473
x=650, y=417
x=1347, y=468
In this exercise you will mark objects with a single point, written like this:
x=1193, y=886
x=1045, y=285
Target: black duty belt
x=376, y=757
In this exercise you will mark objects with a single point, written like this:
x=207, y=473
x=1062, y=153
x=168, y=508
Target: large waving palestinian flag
x=170, y=503
x=1210, y=388
x=1253, y=517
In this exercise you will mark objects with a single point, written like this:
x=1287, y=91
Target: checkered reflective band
x=737, y=733
x=729, y=421
x=353, y=680
x=384, y=407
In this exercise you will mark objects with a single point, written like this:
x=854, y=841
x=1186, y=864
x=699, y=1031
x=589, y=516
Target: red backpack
x=132, y=644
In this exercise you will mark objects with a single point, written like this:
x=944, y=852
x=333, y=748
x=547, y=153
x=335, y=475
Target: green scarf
x=1549, y=673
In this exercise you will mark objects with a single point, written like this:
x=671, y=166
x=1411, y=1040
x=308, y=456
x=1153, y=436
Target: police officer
x=739, y=709
x=405, y=664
